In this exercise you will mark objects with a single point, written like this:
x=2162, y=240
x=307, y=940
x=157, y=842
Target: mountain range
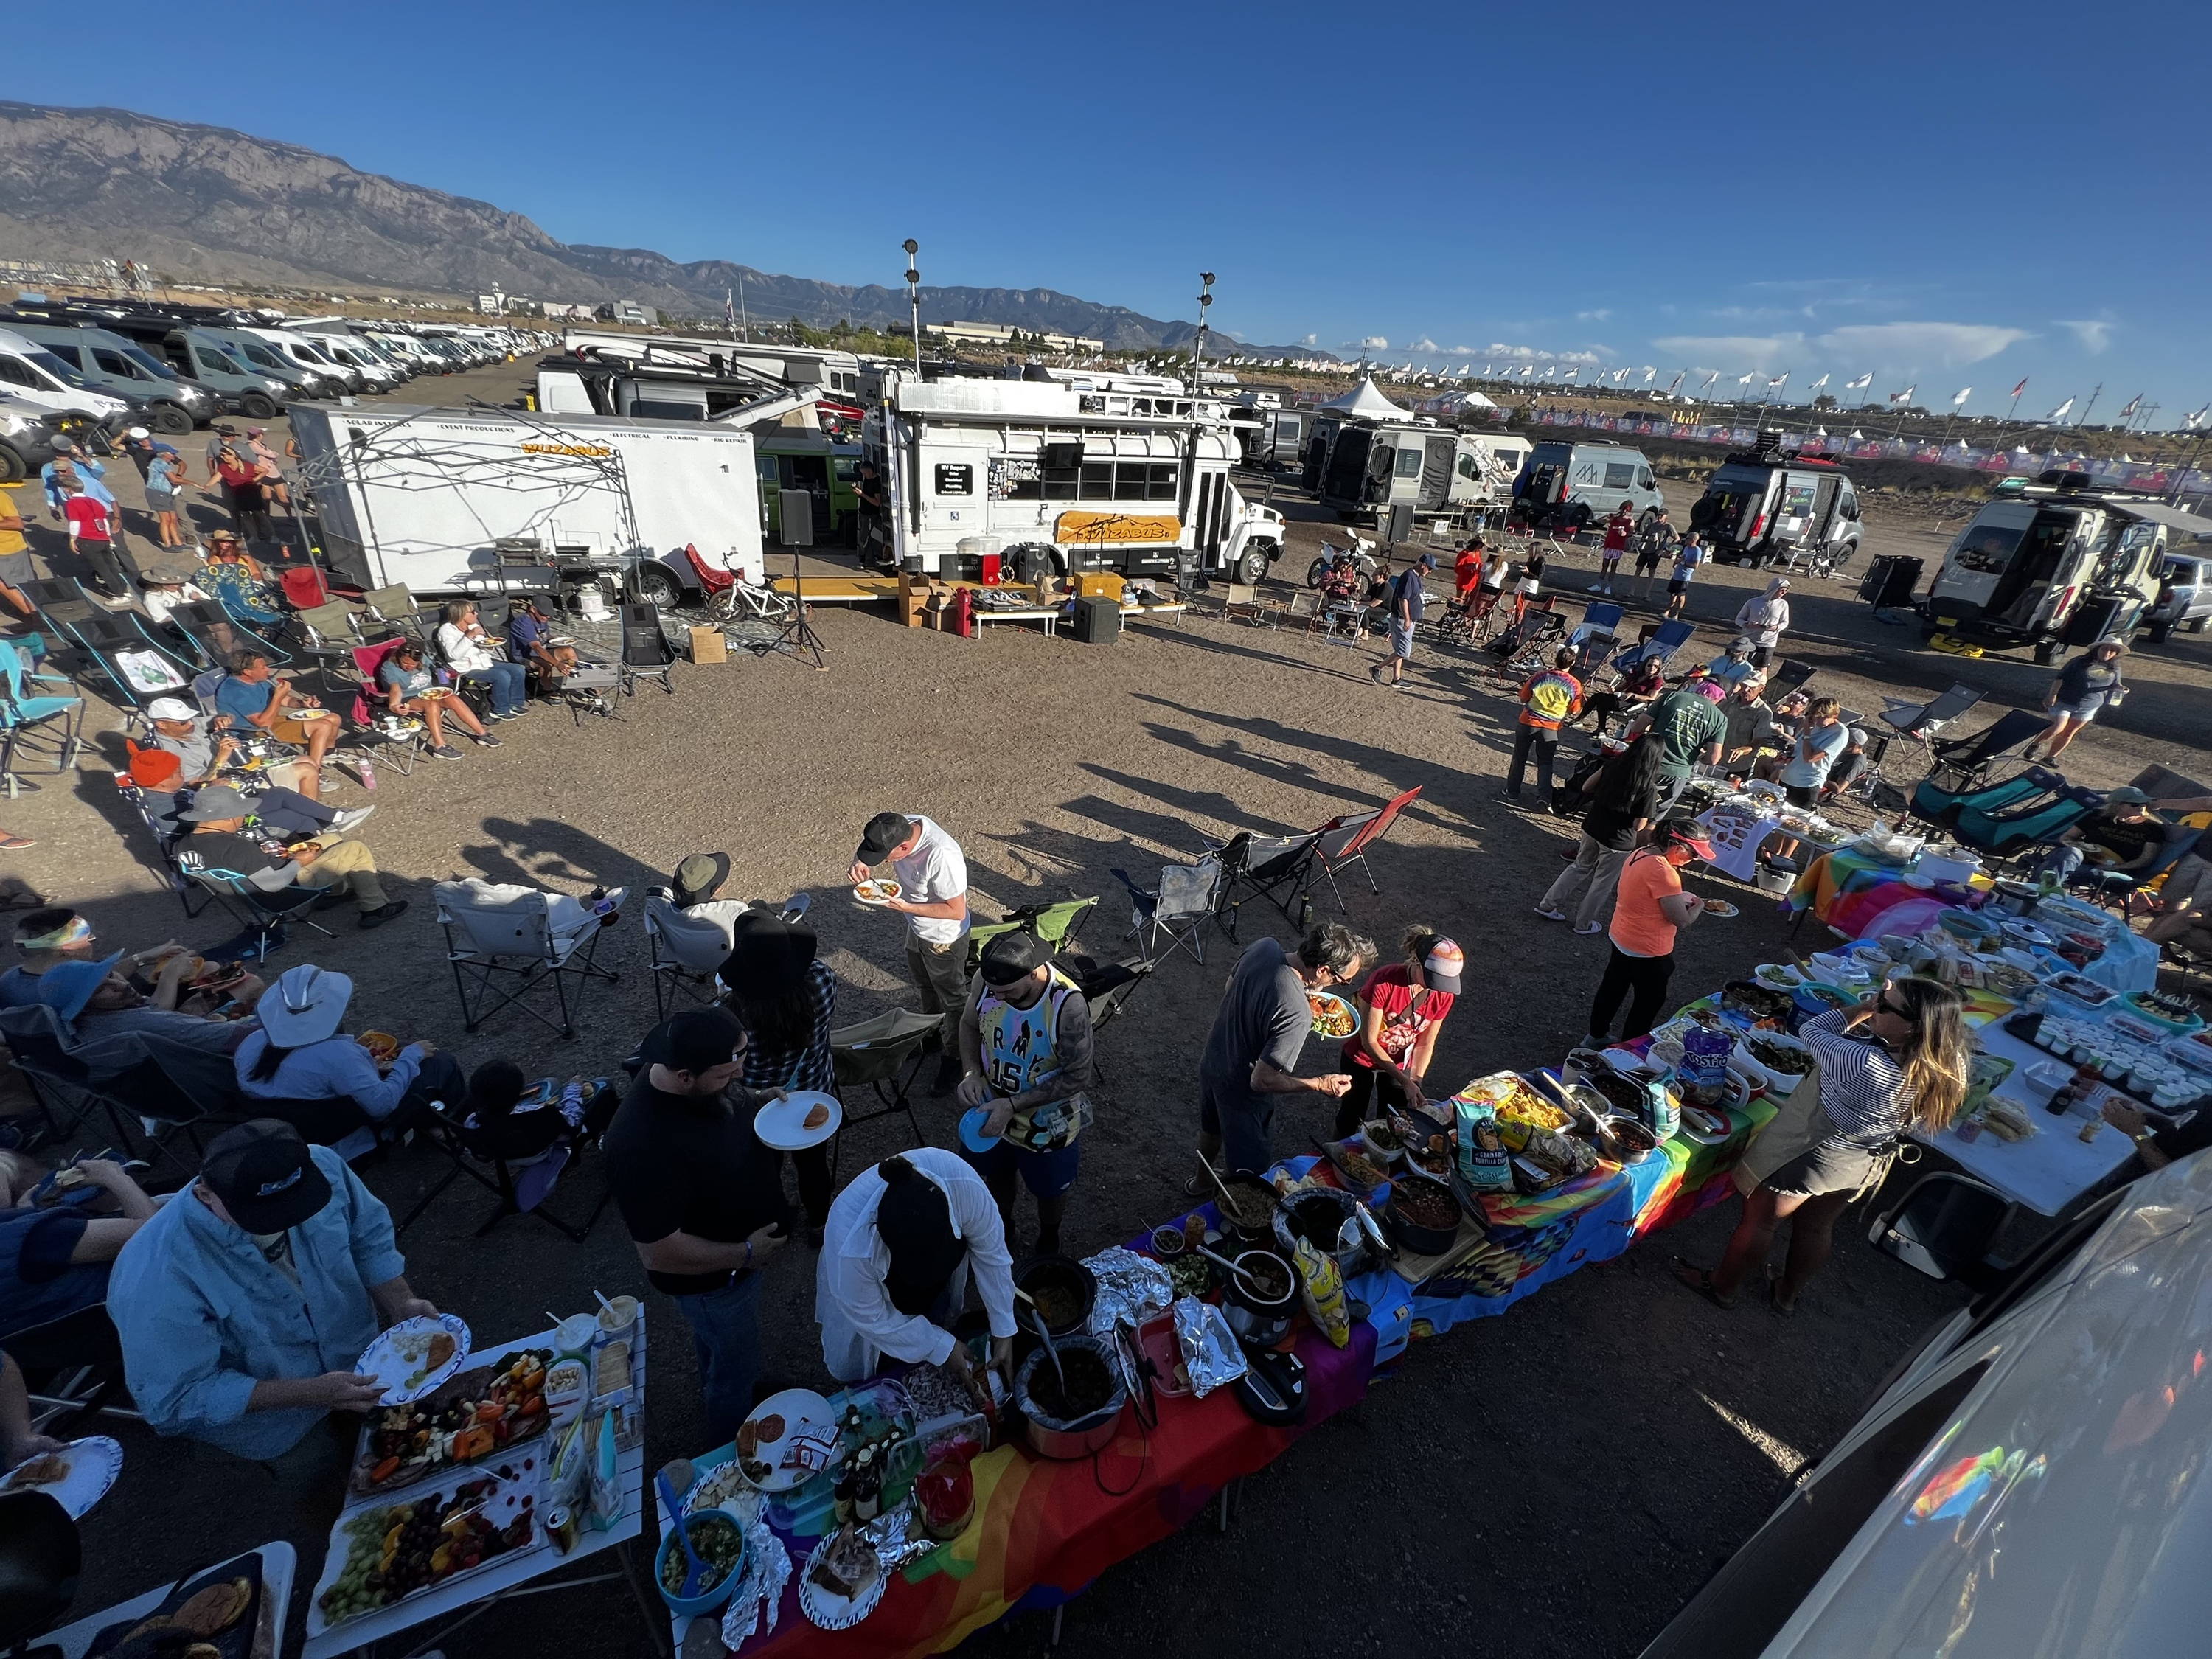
x=206, y=204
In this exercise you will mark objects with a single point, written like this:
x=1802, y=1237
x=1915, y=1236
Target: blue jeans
x=725, y=1336
x=506, y=680
x=2062, y=861
x=291, y=813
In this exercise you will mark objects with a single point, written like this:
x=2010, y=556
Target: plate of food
x=801, y=1119
x=383, y=1553
x=215, y=1615
x=1720, y=908
x=484, y=1412
x=415, y=1356
x=723, y=1487
x=842, y=1580
x=787, y=1441
x=77, y=1477
x=879, y=891
x=1332, y=1017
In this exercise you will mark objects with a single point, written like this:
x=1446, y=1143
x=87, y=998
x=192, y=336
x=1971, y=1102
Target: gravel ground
x=1613, y=1422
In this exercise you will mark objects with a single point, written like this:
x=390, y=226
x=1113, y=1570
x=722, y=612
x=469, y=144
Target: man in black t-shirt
x=2124, y=828
x=702, y=1197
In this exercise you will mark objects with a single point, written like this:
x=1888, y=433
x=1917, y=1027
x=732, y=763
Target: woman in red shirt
x=1617, y=529
x=1467, y=572
x=1402, y=1008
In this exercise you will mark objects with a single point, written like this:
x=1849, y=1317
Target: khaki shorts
x=289, y=728
x=2188, y=885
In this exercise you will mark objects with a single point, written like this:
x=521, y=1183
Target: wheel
x=655, y=584
x=1252, y=567
x=2159, y=632
x=169, y=417
x=12, y=465
x=1315, y=571
x=256, y=405
x=2197, y=627
x=1578, y=517
x=2046, y=653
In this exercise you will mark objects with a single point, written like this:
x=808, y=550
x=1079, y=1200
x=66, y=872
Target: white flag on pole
x=1780, y=380
x=1905, y=396
x=2192, y=421
x=1672, y=386
x=1649, y=374
x=1709, y=381
x=2133, y=404
x=1572, y=372
x=1965, y=392
x=2059, y=413
x=1745, y=380
x=1861, y=384
x=1818, y=384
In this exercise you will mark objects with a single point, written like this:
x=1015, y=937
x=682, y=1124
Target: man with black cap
x=228, y=840
x=902, y=1238
x=243, y=1303
x=702, y=1197
x=1025, y=1047
x=530, y=636
x=933, y=878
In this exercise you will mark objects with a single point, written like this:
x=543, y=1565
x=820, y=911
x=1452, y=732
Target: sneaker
x=1590, y=928
x=486, y=740
x=377, y=917
x=1509, y=798
x=1597, y=587
x=1374, y=672
x=352, y=818
x=1550, y=914
x=443, y=751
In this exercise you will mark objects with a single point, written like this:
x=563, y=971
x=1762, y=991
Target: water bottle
x=367, y=774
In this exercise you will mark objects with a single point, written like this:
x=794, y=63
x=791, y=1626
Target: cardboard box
x=1101, y=584
x=913, y=592
x=709, y=646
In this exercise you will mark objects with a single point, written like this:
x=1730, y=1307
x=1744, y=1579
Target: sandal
x=1701, y=1279
x=1775, y=1299
x=1198, y=1187
x=15, y=843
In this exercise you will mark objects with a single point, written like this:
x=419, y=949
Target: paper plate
x=396, y=1357
x=93, y=1464
x=1722, y=908
x=829, y=1611
x=782, y=1124
x=971, y=1130
x=877, y=892
x=800, y=1410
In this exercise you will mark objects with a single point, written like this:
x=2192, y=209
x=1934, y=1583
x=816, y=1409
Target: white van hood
x=2067, y=1510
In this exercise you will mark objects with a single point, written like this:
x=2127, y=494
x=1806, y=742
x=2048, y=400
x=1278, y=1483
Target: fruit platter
x=383, y=1553
x=479, y=1414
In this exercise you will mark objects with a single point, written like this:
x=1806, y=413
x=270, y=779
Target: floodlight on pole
x=914, y=298
x=1198, y=350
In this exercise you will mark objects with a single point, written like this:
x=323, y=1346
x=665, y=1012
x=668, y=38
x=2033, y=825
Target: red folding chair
x=711, y=580
x=1345, y=841
x=404, y=741
x=304, y=586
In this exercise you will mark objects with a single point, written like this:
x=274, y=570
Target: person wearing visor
x=244, y=1305
x=1650, y=910
x=904, y=1240
x=1025, y=1047
x=702, y=1197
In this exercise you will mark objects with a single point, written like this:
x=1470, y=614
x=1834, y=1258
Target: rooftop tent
x=1366, y=400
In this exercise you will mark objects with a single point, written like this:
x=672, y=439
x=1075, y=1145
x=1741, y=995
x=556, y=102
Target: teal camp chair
x=28, y=715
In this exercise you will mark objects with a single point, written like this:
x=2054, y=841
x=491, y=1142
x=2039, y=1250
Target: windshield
x=55, y=367
x=153, y=365
x=1738, y=480
x=314, y=353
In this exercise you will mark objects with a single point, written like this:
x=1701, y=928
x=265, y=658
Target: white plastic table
x=479, y=1591
x=2051, y=1168
x=279, y=1561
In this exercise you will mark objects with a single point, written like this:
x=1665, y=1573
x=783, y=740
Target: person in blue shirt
x=244, y=1303
x=254, y=701
x=409, y=687
x=529, y=642
x=68, y=460
x=1733, y=666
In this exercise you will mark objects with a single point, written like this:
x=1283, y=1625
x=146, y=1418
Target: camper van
x=199, y=356
x=1135, y=481
x=112, y=364
x=2026, y=1483
x=2056, y=563
x=30, y=372
x=1762, y=506
x=1579, y=484
x=1364, y=470
x=439, y=498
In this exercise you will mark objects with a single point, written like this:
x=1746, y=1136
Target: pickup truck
x=2184, y=597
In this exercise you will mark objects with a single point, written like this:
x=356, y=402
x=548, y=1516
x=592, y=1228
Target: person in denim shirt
x=244, y=1305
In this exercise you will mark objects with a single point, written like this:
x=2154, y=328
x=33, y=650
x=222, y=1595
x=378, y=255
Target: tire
x=257, y=405
x=653, y=583
x=1315, y=571
x=1703, y=512
x=2046, y=653
x=12, y=465
x=1252, y=566
x=170, y=418
x=2159, y=632
x=2197, y=627
x=1578, y=517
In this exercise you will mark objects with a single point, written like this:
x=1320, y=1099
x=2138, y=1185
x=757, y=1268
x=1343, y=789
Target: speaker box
x=1097, y=620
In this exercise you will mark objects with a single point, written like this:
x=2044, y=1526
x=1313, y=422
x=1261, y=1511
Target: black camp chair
x=115, y=645
x=1922, y=721
x=216, y=634
x=646, y=653
x=1272, y=867
x=1963, y=764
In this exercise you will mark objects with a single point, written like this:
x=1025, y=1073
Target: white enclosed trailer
x=426, y=496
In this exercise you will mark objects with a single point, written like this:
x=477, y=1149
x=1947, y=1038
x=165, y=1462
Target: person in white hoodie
x=897, y=1256
x=1766, y=619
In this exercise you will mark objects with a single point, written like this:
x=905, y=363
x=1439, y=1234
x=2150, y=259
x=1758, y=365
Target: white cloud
x=2095, y=333
x=1586, y=358
x=1896, y=345
x=1592, y=316
x=1309, y=339
x=1526, y=353
x=1425, y=343
x=1372, y=342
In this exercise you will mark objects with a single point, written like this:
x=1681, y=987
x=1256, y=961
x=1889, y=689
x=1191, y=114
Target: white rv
x=426, y=496
x=1362, y=467
x=1089, y=477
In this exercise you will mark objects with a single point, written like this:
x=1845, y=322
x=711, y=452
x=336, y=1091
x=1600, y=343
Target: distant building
x=1004, y=334
x=627, y=311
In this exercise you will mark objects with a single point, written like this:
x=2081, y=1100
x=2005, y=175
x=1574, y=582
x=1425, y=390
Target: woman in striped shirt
x=1897, y=1062
x=785, y=1000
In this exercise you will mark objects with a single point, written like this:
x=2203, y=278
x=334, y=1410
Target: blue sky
x=1943, y=195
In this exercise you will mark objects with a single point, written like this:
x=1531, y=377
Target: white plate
x=1722, y=908
x=1330, y=998
x=878, y=892
x=831, y=1612
x=724, y=1488
x=94, y=1464
x=392, y=1359
x=782, y=1124
x=800, y=1409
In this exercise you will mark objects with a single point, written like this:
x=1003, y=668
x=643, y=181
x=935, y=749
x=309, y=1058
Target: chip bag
x=1323, y=1288
x=1482, y=1151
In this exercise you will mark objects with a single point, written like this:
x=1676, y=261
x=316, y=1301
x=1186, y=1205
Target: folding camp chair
x=34, y=720
x=1242, y=602
x=1054, y=925
x=646, y=653
x=2053, y=807
x=405, y=739
x=261, y=912
x=1345, y=841
x=1661, y=646
x=511, y=1183
x=1263, y=867
x=304, y=585
x=689, y=947
x=1921, y=721
x=164, y=835
x=885, y=1054
x=386, y=611
x=1965, y=763
x=138, y=666
x=1175, y=906
x=60, y=1083
x=1594, y=636
x=1784, y=677
x=215, y=634
x=494, y=929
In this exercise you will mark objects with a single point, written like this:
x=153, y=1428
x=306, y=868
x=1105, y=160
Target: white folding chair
x=533, y=936
x=688, y=946
x=1175, y=906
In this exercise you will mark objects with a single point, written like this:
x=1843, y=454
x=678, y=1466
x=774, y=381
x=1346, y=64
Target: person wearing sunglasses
x=1895, y=1064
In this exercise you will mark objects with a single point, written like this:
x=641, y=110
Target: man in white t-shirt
x=932, y=872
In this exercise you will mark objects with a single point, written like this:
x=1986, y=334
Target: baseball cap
x=304, y=1005
x=1683, y=830
x=1440, y=969
x=2127, y=795
x=883, y=831
x=171, y=709
x=266, y=1175
x=137, y=432
x=217, y=800
x=1011, y=956
x=914, y=1220
x=697, y=1040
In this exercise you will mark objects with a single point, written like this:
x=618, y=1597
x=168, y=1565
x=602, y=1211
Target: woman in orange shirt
x=1649, y=910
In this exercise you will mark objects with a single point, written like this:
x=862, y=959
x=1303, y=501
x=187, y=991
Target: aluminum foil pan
x=1209, y=1347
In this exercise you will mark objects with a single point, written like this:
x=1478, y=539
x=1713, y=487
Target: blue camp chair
x=2049, y=811
x=34, y=717
x=1595, y=635
x=1671, y=637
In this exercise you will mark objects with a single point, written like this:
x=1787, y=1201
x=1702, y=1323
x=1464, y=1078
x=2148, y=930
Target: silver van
x=30, y=372
x=2027, y=1483
x=1579, y=484
x=258, y=356
x=168, y=402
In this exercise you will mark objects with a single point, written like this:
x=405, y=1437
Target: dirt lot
x=1606, y=1442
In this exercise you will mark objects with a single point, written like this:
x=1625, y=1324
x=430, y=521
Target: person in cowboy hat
x=330, y=1087
x=245, y=1304
x=166, y=582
